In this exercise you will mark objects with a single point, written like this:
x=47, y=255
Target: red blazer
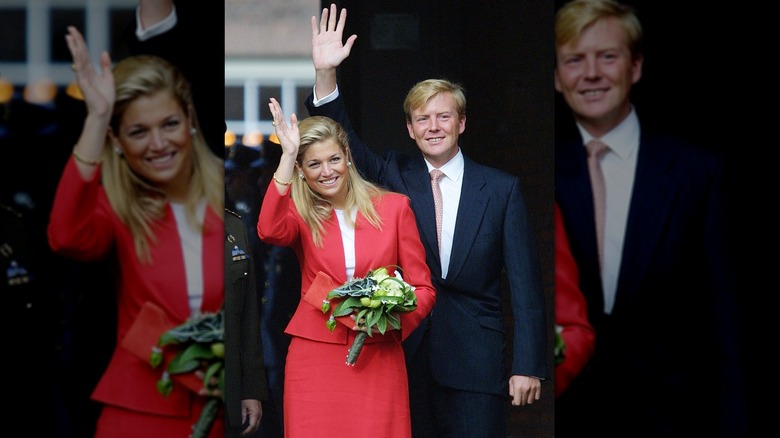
x=129, y=381
x=571, y=312
x=397, y=243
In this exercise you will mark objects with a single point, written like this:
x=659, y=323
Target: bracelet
x=83, y=160
x=284, y=183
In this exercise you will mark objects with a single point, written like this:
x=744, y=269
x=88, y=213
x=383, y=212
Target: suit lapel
x=575, y=198
x=471, y=209
x=651, y=201
x=417, y=181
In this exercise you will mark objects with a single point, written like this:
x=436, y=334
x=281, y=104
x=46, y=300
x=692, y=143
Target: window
x=13, y=31
x=234, y=102
x=59, y=20
x=265, y=93
x=118, y=20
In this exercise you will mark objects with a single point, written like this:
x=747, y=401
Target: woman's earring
x=349, y=163
x=300, y=175
x=193, y=131
x=118, y=151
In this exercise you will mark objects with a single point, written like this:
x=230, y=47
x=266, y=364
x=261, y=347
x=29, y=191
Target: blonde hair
x=573, y=17
x=423, y=91
x=137, y=202
x=313, y=208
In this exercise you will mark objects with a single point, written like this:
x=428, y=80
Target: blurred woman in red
x=143, y=187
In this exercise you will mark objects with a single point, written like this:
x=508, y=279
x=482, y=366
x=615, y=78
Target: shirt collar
x=453, y=169
x=623, y=139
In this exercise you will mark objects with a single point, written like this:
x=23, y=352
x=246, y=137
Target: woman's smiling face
x=155, y=138
x=324, y=166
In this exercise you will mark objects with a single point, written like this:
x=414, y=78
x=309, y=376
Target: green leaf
x=345, y=307
x=393, y=321
x=198, y=351
x=156, y=358
x=354, y=287
x=395, y=279
x=165, y=385
x=379, y=272
x=221, y=383
x=330, y=323
x=188, y=359
x=392, y=300
x=362, y=314
x=206, y=327
x=404, y=308
x=167, y=339
x=381, y=324
x=211, y=371
x=373, y=318
x=180, y=367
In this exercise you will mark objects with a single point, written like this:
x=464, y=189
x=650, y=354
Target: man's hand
x=327, y=49
x=251, y=413
x=524, y=390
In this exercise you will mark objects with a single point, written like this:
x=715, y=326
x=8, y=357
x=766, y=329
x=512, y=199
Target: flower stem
x=206, y=419
x=354, y=350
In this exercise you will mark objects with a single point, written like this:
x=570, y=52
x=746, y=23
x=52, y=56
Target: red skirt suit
x=324, y=397
x=83, y=226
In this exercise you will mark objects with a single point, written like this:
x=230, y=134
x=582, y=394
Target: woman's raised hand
x=97, y=88
x=289, y=136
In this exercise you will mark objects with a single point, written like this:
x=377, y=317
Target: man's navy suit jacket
x=671, y=336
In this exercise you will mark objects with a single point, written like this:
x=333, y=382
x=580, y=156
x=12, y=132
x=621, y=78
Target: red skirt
x=324, y=397
x=116, y=422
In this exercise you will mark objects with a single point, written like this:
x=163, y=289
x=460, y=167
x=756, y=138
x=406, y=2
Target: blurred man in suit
x=660, y=294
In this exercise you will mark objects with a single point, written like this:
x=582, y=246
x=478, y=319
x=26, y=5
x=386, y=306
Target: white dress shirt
x=348, y=240
x=450, y=185
x=156, y=29
x=618, y=165
x=192, y=249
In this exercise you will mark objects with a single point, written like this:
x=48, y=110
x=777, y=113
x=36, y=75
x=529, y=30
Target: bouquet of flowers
x=376, y=298
x=200, y=349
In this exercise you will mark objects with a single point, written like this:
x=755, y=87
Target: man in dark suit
x=245, y=380
x=459, y=372
x=662, y=297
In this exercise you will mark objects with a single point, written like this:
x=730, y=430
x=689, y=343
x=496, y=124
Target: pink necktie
x=595, y=150
x=436, y=175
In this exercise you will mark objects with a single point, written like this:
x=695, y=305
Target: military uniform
x=245, y=376
x=29, y=343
